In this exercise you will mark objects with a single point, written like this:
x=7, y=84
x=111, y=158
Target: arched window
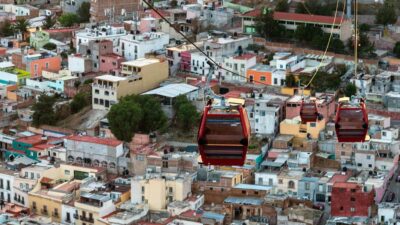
x=96, y=162
x=70, y=158
x=104, y=164
x=79, y=160
x=291, y=184
x=112, y=165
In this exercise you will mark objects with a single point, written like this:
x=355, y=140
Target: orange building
x=260, y=73
x=35, y=63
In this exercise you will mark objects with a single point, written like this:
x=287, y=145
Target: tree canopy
x=136, y=113
x=186, y=114
x=44, y=112
x=6, y=29
x=68, y=19
x=79, y=102
x=396, y=49
x=282, y=6
x=50, y=46
x=84, y=12
x=49, y=22
x=314, y=7
x=386, y=13
x=267, y=27
x=365, y=47
x=350, y=90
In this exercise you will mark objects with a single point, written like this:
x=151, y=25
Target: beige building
x=288, y=182
x=138, y=76
x=298, y=130
x=158, y=190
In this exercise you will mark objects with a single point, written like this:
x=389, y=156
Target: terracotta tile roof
x=95, y=140
x=297, y=17
x=345, y=185
x=307, y=18
x=339, y=178
x=33, y=140
x=41, y=147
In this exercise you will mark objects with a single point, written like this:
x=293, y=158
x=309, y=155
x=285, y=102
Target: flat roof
x=95, y=140
x=110, y=78
x=253, y=187
x=172, y=90
x=141, y=62
x=243, y=200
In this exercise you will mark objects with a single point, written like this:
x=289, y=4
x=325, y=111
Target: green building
x=38, y=39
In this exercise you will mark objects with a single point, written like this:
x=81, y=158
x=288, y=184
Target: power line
x=329, y=40
x=192, y=43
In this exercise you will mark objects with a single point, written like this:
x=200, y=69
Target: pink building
x=325, y=104
x=111, y=63
x=185, y=60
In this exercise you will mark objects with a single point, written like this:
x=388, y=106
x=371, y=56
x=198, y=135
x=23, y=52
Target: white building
x=79, y=64
x=199, y=64
x=7, y=185
x=18, y=10
x=94, y=151
x=388, y=213
x=112, y=33
x=219, y=48
x=238, y=65
x=68, y=214
x=134, y=46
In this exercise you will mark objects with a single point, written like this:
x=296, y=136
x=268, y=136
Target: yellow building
x=295, y=91
x=159, y=190
x=138, y=76
x=298, y=130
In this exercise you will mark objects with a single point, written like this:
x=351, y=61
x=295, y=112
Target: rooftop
x=172, y=90
x=95, y=140
x=110, y=78
x=245, y=56
x=141, y=62
x=244, y=200
x=262, y=68
x=253, y=187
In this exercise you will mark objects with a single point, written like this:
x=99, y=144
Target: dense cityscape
x=190, y=112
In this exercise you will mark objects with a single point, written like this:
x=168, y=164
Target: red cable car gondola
x=309, y=112
x=223, y=136
x=351, y=122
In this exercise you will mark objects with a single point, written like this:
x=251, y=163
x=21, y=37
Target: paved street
x=393, y=187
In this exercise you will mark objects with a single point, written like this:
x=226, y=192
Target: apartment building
x=266, y=74
x=350, y=199
x=95, y=151
x=138, y=76
x=135, y=46
x=179, y=57
x=92, y=206
x=219, y=48
x=158, y=190
x=111, y=33
x=325, y=105
x=7, y=179
x=238, y=64
x=37, y=62
x=94, y=49
x=38, y=39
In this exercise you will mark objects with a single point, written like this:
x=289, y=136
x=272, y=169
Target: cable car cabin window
x=217, y=128
x=351, y=125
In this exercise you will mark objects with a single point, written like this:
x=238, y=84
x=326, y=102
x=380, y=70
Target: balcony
x=104, y=87
x=76, y=216
x=85, y=219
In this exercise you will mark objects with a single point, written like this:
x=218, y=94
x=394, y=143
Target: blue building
x=307, y=188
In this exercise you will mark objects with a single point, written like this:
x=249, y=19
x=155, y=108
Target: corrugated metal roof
x=253, y=187
x=212, y=215
x=172, y=90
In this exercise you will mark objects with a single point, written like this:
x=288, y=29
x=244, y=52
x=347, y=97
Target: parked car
x=390, y=197
x=319, y=206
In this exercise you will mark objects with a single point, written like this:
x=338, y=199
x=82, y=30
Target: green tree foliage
x=364, y=27
x=306, y=33
x=186, y=114
x=267, y=27
x=124, y=119
x=21, y=26
x=136, y=113
x=350, y=90
x=68, y=19
x=44, y=112
x=84, y=12
x=79, y=102
x=386, y=13
x=50, y=46
x=396, y=49
x=290, y=81
x=6, y=29
x=49, y=22
x=365, y=47
x=323, y=81
x=315, y=7
x=174, y=3
x=282, y=6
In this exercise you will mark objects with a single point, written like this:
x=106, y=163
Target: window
x=291, y=184
x=352, y=199
x=243, y=192
x=275, y=81
x=140, y=157
x=66, y=172
x=384, y=133
x=280, y=181
x=341, y=208
x=260, y=180
x=143, y=189
x=262, y=78
x=96, y=91
x=342, y=153
x=47, y=65
x=96, y=101
x=307, y=186
x=170, y=189
x=101, y=102
x=34, y=205
x=352, y=209
x=368, y=157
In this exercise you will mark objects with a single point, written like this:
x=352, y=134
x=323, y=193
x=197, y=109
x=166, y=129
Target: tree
x=84, y=12
x=365, y=47
x=6, y=29
x=186, y=114
x=43, y=110
x=136, y=113
x=396, y=49
x=364, y=27
x=350, y=90
x=68, y=19
x=124, y=119
x=315, y=7
x=174, y=3
x=290, y=81
x=22, y=26
x=267, y=27
x=386, y=14
x=282, y=6
x=49, y=22
x=79, y=102
x=50, y=46
x=307, y=32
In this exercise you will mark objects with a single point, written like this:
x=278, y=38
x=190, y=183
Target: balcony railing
x=107, y=87
x=89, y=220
